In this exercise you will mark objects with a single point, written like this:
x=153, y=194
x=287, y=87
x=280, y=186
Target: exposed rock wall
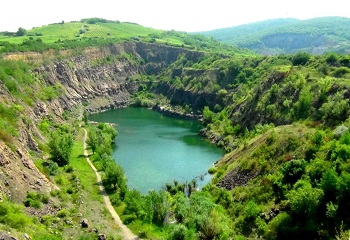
x=18, y=174
x=84, y=79
x=106, y=85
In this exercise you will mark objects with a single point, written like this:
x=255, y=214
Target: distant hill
x=287, y=35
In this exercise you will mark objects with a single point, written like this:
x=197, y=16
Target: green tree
x=293, y=170
x=114, y=175
x=303, y=105
x=85, y=117
x=159, y=205
x=304, y=199
x=60, y=144
x=208, y=115
x=180, y=206
x=301, y=58
x=134, y=203
x=21, y=32
x=94, y=139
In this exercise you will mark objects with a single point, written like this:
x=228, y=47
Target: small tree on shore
x=94, y=139
x=115, y=177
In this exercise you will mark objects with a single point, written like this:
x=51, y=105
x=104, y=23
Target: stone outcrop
x=18, y=174
x=236, y=178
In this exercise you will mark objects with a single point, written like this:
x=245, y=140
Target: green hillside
x=97, y=31
x=318, y=35
x=88, y=28
x=283, y=121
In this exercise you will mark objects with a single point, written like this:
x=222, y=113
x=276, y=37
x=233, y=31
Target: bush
x=252, y=210
x=69, y=169
x=179, y=232
x=340, y=72
x=62, y=213
x=51, y=167
x=293, y=170
x=212, y=170
x=301, y=58
x=35, y=199
x=60, y=144
x=304, y=199
x=45, y=198
x=12, y=215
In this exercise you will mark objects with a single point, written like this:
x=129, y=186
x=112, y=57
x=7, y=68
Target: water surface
x=154, y=149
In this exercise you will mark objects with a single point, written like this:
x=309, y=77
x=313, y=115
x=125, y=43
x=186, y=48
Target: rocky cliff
x=97, y=77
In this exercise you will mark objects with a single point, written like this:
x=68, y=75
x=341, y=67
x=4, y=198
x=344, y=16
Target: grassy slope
x=73, y=35
x=91, y=205
x=69, y=31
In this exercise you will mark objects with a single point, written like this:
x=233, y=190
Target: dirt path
x=125, y=231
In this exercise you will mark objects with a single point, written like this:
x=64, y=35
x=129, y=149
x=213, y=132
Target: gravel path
x=125, y=231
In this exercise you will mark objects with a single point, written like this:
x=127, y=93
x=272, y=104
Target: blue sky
x=181, y=15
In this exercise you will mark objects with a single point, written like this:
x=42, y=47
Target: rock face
x=197, y=99
x=98, y=78
x=236, y=178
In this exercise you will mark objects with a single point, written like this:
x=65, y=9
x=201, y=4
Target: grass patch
x=83, y=170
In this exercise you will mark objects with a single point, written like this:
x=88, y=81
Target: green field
x=68, y=31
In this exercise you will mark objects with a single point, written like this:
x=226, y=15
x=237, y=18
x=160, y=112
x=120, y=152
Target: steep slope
x=258, y=187
x=316, y=36
x=98, y=78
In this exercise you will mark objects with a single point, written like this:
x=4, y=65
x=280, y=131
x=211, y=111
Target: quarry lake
x=154, y=149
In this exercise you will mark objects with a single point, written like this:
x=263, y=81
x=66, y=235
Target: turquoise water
x=154, y=149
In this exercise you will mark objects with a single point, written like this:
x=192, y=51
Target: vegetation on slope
x=274, y=182
x=97, y=31
x=283, y=121
x=317, y=36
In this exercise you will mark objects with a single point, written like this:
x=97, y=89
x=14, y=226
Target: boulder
x=84, y=223
x=102, y=237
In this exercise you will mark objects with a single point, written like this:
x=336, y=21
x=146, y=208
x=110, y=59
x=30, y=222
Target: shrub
x=60, y=144
x=340, y=72
x=12, y=215
x=293, y=170
x=5, y=136
x=70, y=190
x=69, y=169
x=252, y=210
x=45, y=198
x=51, y=167
x=179, y=232
x=62, y=213
x=304, y=199
x=35, y=199
x=212, y=170
x=301, y=58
